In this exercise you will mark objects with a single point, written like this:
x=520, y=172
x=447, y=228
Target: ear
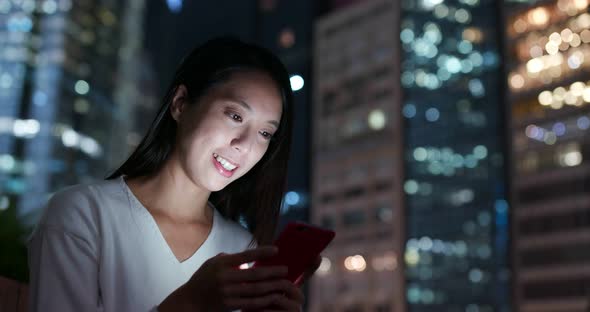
x=179, y=102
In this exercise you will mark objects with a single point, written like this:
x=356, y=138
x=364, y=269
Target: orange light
x=516, y=81
x=576, y=41
x=520, y=26
x=536, y=51
x=355, y=263
x=545, y=98
x=287, y=38
x=473, y=34
x=538, y=16
x=581, y=4
x=552, y=48
x=567, y=35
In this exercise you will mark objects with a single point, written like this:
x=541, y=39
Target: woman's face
x=223, y=136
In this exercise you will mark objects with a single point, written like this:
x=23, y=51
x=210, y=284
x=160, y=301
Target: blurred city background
x=444, y=140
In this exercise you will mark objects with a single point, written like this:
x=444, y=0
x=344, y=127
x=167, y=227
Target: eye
x=235, y=117
x=266, y=135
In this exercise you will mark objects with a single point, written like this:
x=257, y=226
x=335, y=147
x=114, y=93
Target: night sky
x=169, y=36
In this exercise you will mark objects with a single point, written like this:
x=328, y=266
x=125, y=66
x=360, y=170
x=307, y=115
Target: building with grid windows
x=409, y=157
x=60, y=72
x=357, y=159
x=457, y=245
x=548, y=57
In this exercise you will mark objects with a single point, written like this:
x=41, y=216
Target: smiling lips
x=224, y=166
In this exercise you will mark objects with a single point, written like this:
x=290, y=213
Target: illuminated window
x=569, y=155
x=267, y=5
x=355, y=263
x=384, y=214
x=377, y=119
x=175, y=6
x=287, y=38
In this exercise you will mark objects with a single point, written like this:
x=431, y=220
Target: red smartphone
x=299, y=245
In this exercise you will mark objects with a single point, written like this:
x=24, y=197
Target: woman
x=162, y=232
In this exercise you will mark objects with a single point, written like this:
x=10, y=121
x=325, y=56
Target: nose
x=243, y=141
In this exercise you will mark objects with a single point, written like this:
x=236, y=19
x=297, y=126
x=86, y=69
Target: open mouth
x=225, y=166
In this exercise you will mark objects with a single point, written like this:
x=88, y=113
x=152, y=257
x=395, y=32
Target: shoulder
x=77, y=208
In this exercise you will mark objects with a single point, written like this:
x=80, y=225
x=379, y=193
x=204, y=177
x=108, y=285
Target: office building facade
x=456, y=252
x=60, y=69
x=548, y=59
x=357, y=159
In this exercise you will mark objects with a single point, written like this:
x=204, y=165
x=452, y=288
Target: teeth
x=226, y=164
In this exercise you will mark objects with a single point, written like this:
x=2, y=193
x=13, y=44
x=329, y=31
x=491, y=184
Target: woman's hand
x=219, y=285
x=289, y=298
x=293, y=298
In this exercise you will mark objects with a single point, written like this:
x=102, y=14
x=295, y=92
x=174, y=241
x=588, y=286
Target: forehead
x=258, y=90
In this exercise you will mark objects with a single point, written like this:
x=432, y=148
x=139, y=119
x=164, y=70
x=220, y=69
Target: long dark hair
x=256, y=197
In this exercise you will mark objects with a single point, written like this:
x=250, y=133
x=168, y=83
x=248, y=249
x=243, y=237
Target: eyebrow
x=247, y=107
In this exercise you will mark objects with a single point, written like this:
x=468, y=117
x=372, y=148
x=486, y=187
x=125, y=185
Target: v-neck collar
x=200, y=253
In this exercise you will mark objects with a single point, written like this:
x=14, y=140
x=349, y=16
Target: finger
x=283, y=304
x=249, y=255
x=254, y=303
x=309, y=271
x=257, y=288
x=254, y=274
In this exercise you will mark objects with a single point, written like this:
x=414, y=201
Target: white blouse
x=96, y=248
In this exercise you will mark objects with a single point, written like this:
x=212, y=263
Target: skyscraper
x=548, y=53
x=16, y=35
x=58, y=108
x=357, y=160
x=136, y=92
x=445, y=167
x=456, y=252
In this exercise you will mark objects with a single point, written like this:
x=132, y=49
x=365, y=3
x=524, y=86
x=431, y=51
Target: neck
x=171, y=194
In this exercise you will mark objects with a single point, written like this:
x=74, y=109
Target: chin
x=216, y=187
x=218, y=183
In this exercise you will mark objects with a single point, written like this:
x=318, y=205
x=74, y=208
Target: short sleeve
x=64, y=272
x=63, y=255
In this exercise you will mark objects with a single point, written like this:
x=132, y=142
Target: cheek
x=205, y=135
x=198, y=147
x=257, y=155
